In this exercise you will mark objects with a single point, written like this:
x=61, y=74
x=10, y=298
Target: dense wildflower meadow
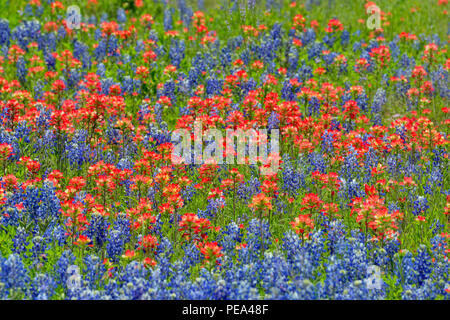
x=95, y=205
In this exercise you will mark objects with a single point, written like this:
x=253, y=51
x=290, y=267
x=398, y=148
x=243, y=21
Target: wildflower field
x=94, y=203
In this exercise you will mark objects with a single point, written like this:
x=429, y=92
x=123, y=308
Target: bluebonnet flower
x=308, y=36
x=38, y=248
x=247, y=86
x=380, y=258
x=77, y=150
x=313, y=106
x=169, y=90
x=22, y=132
x=26, y=32
x=350, y=165
x=127, y=85
x=229, y=237
x=135, y=281
x=94, y=271
x=394, y=165
x=49, y=60
x=305, y=71
x=104, y=17
x=404, y=268
x=362, y=101
x=20, y=242
x=292, y=60
x=420, y=206
x=245, y=56
x=246, y=190
x=47, y=42
x=193, y=76
x=158, y=136
x=187, y=16
x=139, y=47
x=13, y=276
x=345, y=38
x=176, y=52
x=79, y=48
x=439, y=78
x=100, y=51
x=273, y=121
x=336, y=231
x=316, y=162
x=274, y=274
x=354, y=258
x=213, y=208
x=287, y=92
x=112, y=46
x=74, y=78
x=21, y=70
x=291, y=245
x=436, y=227
x=293, y=179
x=41, y=204
x=101, y=71
x=43, y=287
x=358, y=290
x=168, y=12
x=315, y=51
x=225, y=56
x=38, y=89
x=351, y=189
x=329, y=58
x=58, y=235
x=121, y=16
x=370, y=161
x=394, y=49
x=45, y=143
x=117, y=237
x=329, y=40
x=257, y=231
x=65, y=260
x=333, y=284
x=378, y=102
x=213, y=86
x=192, y=256
x=241, y=282
x=5, y=32
x=405, y=63
x=62, y=33
x=422, y=265
x=393, y=206
x=97, y=230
